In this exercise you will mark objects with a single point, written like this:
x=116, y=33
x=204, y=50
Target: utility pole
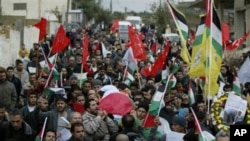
x=111, y=6
x=67, y=12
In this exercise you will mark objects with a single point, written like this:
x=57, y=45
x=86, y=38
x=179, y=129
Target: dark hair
x=87, y=103
x=227, y=86
x=18, y=61
x=16, y=112
x=134, y=84
x=122, y=86
x=31, y=92
x=138, y=93
x=75, y=124
x=190, y=136
x=144, y=105
x=61, y=98
x=10, y=68
x=128, y=121
x=49, y=130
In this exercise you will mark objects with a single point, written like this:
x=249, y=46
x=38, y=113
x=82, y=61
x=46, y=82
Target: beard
x=60, y=109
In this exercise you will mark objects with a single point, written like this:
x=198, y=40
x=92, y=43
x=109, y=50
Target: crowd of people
x=25, y=104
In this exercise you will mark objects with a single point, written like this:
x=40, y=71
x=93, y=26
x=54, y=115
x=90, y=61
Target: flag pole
x=210, y=53
x=139, y=78
x=124, y=74
x=44, y=125
x=165, y=89
x=180, y=34
x=158, y=112
x=61, y=79
x=81, y=75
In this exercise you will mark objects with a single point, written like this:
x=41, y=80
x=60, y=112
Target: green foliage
x=93, y=10
x=161, y=17
x=119, y=15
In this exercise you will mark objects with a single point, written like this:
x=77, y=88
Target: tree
x=93, y=10
x=58, y=14
x=161, y=17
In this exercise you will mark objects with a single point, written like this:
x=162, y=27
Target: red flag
x=60, y=42
x=225, y=33
x=85, y=54
x=41, y=25
x=148, y=121
x=115, y=25
x=145, y=72
x=159, y=63
x=136, y=44
x=236, y=43
x=123, y=104
x=154, y=47
x=78, y=108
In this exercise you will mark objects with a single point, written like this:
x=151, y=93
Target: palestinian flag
x=53, y=75
x=182, y=27
x=56, y=75
x=236, y=85
x=221, y=78
x=175, y=68
x=47, y=63
x=129, y=78
x=154, y=108
x=131, y=66
x=104, y=51
x=81, y=78
x=51, y=91
x=39, y=137
x=214, y=49
x=172, y=81
x=191, y=94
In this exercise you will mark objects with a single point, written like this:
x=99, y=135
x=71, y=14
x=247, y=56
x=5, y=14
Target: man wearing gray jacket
x=96, y=123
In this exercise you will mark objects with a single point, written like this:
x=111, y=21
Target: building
x=241, y=18
x=30, y=10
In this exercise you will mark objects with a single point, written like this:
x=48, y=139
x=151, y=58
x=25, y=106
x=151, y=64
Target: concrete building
x=35, y=9
x=241, y=18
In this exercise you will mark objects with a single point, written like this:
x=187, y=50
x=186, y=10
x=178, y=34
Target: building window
x=20, y=6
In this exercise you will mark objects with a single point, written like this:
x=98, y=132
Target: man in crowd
x=8, y=94
x=97, y=123
x=17, y=129
x=49, y=135
x=78, y=132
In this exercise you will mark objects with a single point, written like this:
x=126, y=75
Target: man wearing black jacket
x=16, y=129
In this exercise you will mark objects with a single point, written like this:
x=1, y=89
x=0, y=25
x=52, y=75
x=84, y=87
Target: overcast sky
x=135, y=5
